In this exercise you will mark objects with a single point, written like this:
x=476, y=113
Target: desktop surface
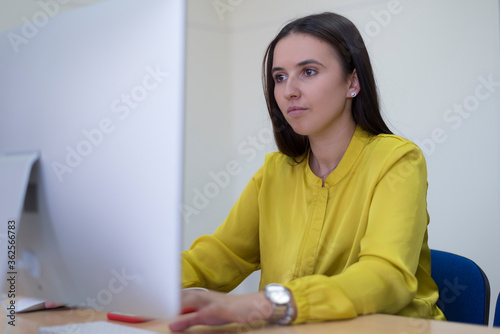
x=376, y=323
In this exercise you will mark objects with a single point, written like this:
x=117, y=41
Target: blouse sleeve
x=383, y=279
x=223, y=260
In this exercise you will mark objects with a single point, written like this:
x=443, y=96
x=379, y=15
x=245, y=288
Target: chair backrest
x=496, y=320
x=464, y=289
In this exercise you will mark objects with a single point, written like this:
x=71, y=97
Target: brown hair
x=346, y=40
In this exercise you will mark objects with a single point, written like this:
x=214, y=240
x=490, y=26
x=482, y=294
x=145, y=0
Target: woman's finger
x=184, y=322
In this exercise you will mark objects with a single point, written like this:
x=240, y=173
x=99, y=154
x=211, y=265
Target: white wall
x=428, y=57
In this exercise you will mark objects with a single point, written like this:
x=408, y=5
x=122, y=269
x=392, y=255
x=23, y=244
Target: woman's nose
x=292, y=90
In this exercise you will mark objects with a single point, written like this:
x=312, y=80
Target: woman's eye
x=309, y=72
x=279, y=77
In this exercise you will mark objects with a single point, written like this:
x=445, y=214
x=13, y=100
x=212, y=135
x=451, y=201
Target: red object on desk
x=189, y=310
x=124, y=317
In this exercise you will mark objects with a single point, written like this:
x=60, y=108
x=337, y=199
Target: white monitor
x=91, y=101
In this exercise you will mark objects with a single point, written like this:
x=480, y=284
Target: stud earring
x=353, y=94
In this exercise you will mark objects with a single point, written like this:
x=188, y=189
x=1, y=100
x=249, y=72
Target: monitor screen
x=91, y=112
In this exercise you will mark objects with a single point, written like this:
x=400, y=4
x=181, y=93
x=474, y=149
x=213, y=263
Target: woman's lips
x=295, y=111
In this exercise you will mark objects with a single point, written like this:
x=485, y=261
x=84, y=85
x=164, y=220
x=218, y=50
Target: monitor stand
x=15, y=171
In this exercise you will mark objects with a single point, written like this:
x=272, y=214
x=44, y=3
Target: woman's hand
x=216, y=308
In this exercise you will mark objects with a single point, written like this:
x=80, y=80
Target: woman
x=337, y=218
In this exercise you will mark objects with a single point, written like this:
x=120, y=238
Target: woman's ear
x=353, y=82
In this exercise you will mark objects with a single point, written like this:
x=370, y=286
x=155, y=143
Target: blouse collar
x=358, y=142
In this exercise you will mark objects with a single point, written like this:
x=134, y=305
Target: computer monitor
x=91, y=106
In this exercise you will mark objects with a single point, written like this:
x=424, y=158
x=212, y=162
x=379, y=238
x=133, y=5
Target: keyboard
x=96, y=327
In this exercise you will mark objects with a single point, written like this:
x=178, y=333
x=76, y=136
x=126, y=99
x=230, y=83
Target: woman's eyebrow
x=276, y=69
x=302, y=63
x=309, y=61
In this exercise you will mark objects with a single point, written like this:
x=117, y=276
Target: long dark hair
x=346, y=40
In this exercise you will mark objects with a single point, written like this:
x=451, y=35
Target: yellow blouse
x=356, y=246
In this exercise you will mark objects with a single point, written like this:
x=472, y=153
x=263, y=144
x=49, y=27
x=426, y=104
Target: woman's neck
x=327, y=152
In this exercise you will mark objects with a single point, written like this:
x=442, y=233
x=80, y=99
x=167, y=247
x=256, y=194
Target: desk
x=28, y=323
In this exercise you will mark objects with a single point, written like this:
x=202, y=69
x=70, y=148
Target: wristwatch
x=280, y=297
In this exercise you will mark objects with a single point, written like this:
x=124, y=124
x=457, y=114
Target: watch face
x=279, y=295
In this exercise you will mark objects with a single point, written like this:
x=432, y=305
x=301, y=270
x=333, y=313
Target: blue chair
x=464, y=289
x=496, y=320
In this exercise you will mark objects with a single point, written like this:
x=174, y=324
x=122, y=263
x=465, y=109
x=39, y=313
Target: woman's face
x=311, y=88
